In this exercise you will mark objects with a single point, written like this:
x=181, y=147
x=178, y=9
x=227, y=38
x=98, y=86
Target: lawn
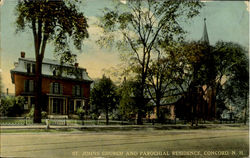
x=146, y=143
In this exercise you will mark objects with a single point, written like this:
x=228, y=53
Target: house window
x=77, y=90
x=31, y=68
x=56, y=72
x=28, y=67
x=29, y=85
x=56, y=88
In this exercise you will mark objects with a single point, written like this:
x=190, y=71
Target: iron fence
x=24, y=121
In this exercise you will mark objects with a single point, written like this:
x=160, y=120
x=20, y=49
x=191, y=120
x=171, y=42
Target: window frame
x=29, y=85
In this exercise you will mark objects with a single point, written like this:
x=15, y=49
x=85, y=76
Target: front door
x=57, y=106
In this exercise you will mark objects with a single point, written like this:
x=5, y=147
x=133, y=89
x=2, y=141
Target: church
x=200, y=101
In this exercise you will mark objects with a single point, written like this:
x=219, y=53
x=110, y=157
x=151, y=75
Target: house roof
x=48, y=68
x=49, y=62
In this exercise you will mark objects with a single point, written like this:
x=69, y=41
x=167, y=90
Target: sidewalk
x=109, y=127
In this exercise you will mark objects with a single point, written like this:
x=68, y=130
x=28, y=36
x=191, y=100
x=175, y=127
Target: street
x=146, y=143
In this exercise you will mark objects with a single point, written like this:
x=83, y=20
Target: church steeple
x=204, y=37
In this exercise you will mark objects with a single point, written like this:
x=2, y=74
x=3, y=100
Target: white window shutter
x=73, y=90
x=25, y=85
x=51, y=88
x=31, y=85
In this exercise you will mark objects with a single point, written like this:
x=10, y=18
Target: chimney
x=22, y=54
x=76, y=65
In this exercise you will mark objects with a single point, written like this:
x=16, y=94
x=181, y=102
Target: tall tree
x=104, y=97
x=50, y=21
x=232, y=66
x=139, y=25
x=161, y=81
x=127, y=106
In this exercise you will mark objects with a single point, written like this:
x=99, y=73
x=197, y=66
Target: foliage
x=31, y=113
x=12, y=106
x=1, y=86
x=144, y=25
x=104, y=97
x=233, y=68
x=44, y=114
x=162, y=78
x=57, y=22
x=80, y=112
x=221, y=69
x=127, y=105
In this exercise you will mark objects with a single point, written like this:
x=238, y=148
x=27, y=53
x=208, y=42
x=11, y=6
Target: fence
x=23, y=121
x=17, y=121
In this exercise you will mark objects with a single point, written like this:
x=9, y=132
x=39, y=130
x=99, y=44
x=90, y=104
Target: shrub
x=12, y=106
x=44, y=114
x=80, y=112
x=31, y=113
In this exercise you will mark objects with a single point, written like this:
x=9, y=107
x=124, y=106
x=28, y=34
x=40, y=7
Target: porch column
x=66, y=106
x=49, y=106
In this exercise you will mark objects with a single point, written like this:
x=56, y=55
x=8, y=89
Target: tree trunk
x=140, y=102
x=38, y=92
x=139, y=117
x=158, y=109
x=107, y=116
x=213, y=103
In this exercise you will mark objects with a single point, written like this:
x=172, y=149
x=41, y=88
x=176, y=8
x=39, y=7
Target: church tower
x=204, y=37
x=211, y=92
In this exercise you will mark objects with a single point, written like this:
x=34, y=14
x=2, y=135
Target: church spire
x=204, y=37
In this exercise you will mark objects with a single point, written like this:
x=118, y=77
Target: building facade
x=65, y=88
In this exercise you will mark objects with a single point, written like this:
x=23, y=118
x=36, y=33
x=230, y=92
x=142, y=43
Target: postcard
x=124, y=78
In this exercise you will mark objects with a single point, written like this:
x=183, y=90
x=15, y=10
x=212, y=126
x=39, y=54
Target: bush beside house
x=12, y=106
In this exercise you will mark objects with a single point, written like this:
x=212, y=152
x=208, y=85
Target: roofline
x=48, y=76
x=25, y=59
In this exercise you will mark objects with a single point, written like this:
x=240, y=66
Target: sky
x=226, y=20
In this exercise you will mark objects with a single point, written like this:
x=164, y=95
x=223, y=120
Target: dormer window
x=31, y=68
x=56, y=72
x=28, y=67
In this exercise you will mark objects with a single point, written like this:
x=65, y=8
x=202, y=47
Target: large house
x=65, y=88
